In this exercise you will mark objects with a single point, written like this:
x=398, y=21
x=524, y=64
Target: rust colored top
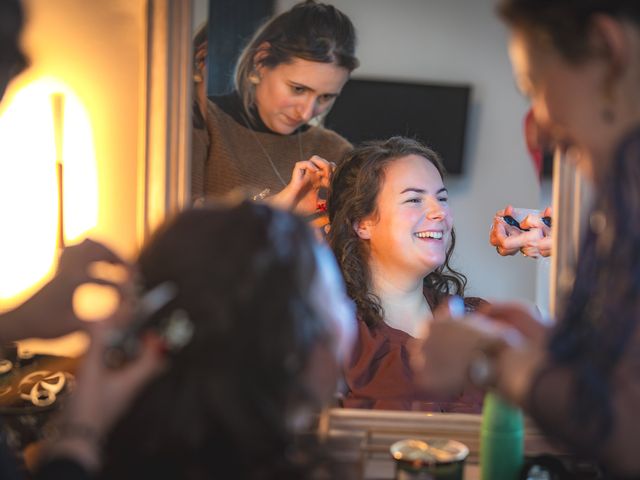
x=379, y=376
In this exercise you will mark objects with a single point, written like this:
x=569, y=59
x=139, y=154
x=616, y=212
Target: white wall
x=200, y=13
x=461, y=41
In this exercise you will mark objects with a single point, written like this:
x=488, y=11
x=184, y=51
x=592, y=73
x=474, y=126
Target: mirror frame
x=165, y=167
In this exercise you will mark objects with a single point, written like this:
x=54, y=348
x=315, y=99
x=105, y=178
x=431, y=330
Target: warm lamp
x=43, y=123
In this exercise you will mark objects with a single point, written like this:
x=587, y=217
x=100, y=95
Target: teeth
x=435, y=235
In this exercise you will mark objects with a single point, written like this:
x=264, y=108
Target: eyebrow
x=302, y=85
x=421, y=190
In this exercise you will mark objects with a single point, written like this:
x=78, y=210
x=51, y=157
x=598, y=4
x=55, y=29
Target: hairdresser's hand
x=507, y=239
x=49, y=312
x=525, y=319
x=307, y=178
x=102, y=395
x=441, y=363
x=538, y=244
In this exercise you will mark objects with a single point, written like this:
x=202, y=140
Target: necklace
x=266, y=154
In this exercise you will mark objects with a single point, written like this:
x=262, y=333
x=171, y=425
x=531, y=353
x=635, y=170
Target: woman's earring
x=254, y=76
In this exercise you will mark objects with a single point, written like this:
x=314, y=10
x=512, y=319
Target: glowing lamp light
x=29, y=187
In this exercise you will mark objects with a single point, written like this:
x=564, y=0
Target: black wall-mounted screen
x=433, y=114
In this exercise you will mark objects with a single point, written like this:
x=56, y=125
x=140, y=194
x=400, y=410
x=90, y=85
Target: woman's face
x=411, y=229
x=566, y=98
x=291, y=94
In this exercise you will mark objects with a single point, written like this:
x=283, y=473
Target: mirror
x=446, y=43
x=453, y=43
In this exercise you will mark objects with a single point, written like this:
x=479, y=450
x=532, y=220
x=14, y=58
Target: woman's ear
x=261, y=53
x=363, y=229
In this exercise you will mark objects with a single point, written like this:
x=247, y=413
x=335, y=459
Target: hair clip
x=509, y=220
x=123, y=344
x=514, y=223
x=178, y=331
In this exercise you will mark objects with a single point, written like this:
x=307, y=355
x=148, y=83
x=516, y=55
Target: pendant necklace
x=266, y=154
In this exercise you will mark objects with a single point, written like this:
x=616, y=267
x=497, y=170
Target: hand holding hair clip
x=509, y=220
x=175, y=327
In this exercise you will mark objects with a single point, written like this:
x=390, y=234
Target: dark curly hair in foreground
x=224, y=407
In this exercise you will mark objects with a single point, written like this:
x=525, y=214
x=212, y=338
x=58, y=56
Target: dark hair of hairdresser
x=224, y=407
x=12, y=60
x=311, y=31
x=601, y=313
x=354, y=191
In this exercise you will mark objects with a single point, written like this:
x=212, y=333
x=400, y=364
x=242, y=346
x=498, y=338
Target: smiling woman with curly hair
x=392, y=233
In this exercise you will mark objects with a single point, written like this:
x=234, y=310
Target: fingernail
x=456, y=307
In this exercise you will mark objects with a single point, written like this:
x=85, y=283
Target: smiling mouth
x=429, y=234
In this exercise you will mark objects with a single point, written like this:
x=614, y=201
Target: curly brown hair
x=353, y=195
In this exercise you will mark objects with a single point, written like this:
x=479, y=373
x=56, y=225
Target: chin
x=430, y=267
x=284, y=129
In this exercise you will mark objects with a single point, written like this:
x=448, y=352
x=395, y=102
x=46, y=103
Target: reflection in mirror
x=259, y=136
x=449, y=47
x=456, y=49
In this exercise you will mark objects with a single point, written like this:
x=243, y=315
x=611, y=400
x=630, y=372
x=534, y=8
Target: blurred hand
x=441, y=364
x=49, y=312
x=307, y=178
x=102, y=395
x=525, y=319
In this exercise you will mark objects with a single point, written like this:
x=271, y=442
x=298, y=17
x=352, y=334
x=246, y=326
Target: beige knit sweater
x=228, y=156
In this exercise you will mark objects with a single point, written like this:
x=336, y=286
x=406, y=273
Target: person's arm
x=528, y=377
x=551, y=402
